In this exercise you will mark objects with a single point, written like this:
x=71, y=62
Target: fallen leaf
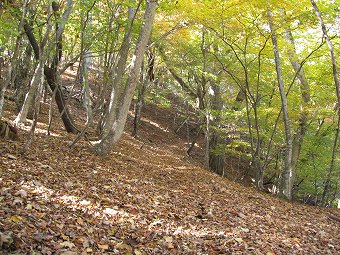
x=169, y=242
x=123, y=246
x=168, y=239
x=15, y=219
x=156, y=222
x=241, y=215
x=85, y=202
x=103, y=246
x=137, y=252
x=170, y=245
x=67, y=244
x=18, y=201
x=110, y=211
x=22, y=193
x=80, y=221
x=239, y=240
x=10, y=156
x=133, y=210
x=29, y=206
x=68, y=253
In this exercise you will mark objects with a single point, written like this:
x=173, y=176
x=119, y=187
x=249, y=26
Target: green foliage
x=226, y=44
x=8, y=28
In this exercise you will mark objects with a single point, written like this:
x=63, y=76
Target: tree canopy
x=260, y=76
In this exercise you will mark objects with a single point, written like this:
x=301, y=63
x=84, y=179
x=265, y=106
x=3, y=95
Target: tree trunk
x=110, y=113
x=147, y=78
x=51, y=73
x=287, y=176
x=337, y=87
x=51, y=78
x=217, y=143
x=21, y=78
x=36, y=80
x=3, y=87
x=85, y=65
x=139, y=106
x=86, y=98
x=305, y=94
x=117, y=116
x=11, y=73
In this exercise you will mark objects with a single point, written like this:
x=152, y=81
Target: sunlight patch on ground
x=36, y=188
x=72, y=202
x=37, y=129
x=152, y=152
x=113, y=214
x=156, y=125
x=152, y=123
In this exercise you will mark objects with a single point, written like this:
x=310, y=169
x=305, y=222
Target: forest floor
x=146, y=197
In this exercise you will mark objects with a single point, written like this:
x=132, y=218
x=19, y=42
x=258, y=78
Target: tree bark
x=3, y=87
x=51, y=73
x=86, y=89
x=287, y=176
x=10, y=77
x=110, y=114
x=51, y=78
x=36, y=80
x=146, y=79
x=117, y=116
x=305, y=95
x=85, y=62
x=217, y=153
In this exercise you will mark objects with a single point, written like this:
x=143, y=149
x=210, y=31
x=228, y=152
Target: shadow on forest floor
x=146, y=197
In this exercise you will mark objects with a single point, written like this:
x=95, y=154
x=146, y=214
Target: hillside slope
x=146, y=197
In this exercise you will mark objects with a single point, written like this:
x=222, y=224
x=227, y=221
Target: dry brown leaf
x=103, y=246
x=67, y=244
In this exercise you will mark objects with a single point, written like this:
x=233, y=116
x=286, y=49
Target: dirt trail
x=146, y=197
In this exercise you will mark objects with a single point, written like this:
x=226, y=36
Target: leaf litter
x=146, y=197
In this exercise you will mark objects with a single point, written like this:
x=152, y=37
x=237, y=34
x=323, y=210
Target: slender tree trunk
x=207, y=133
x=15, y=58
x=86, y=89
x=3, y=87
x=305, y=94
x=337, y=87
x=138, y=108
x=51, y=73
x=21, y=117
x=204, y=99
x=21, y=80
x=10, y=77
x=85, y=65
x=257, y=154
x=110, y=114
x=36, y=109
x=117, y=116
x=36, y=81
x=147, y=78
x=51, y=79
x=217, y=154
x=287, y=176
